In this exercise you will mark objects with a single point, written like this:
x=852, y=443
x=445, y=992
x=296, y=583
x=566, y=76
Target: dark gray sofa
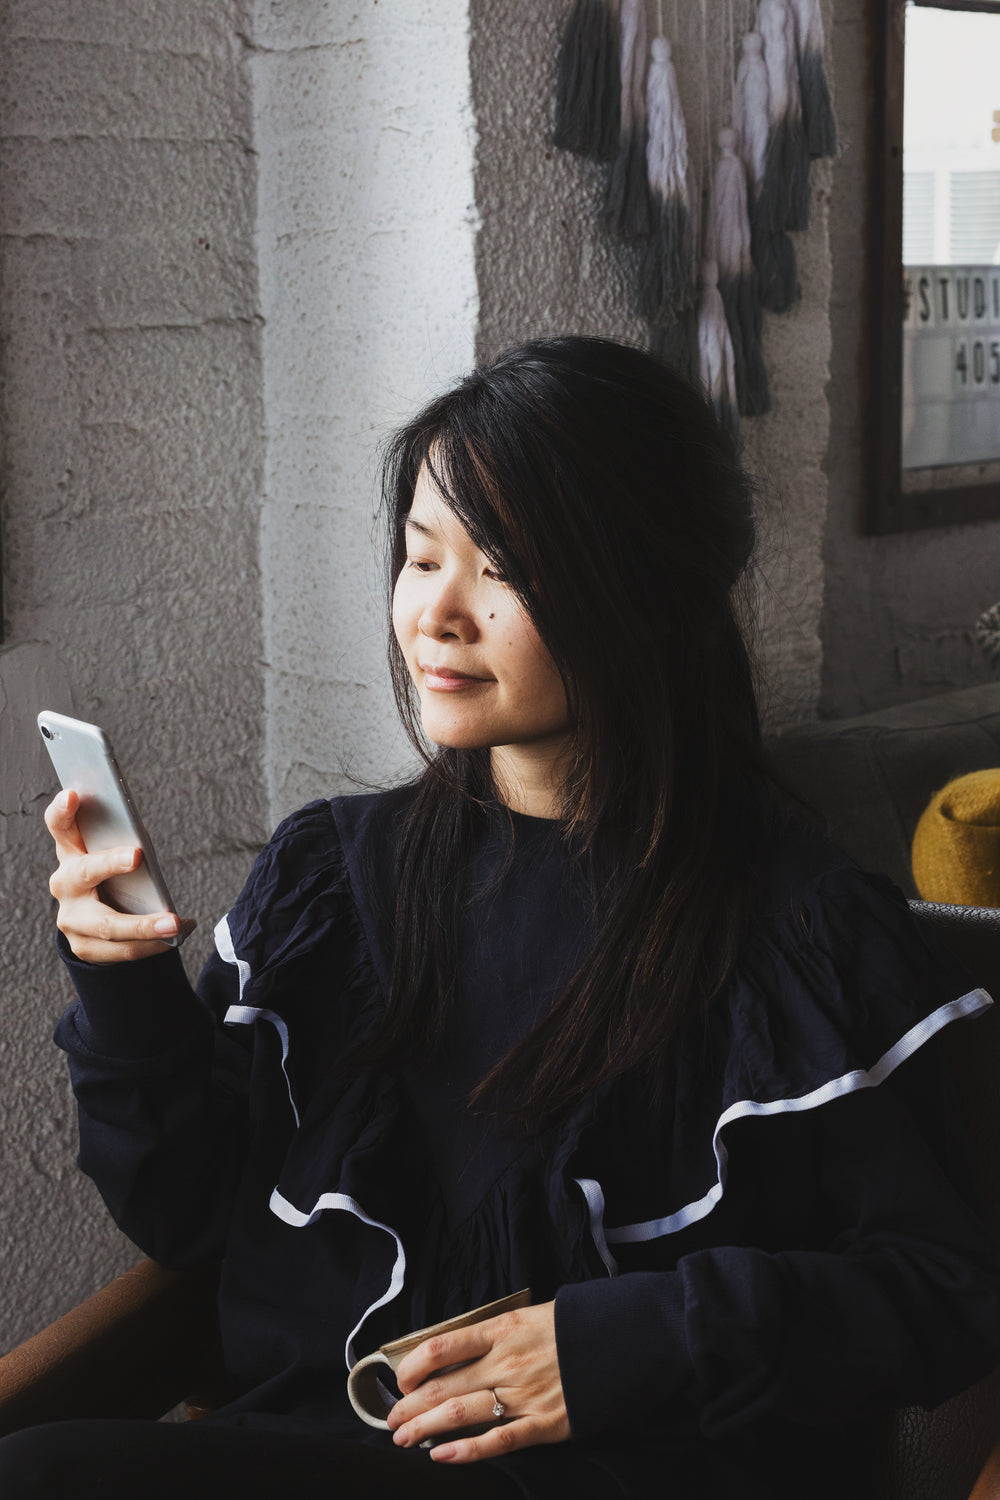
x=871, y=777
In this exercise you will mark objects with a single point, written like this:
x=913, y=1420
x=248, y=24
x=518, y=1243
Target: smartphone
x=107, y=817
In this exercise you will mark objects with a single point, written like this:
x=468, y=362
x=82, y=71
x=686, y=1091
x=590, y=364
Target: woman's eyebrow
x=410, y=520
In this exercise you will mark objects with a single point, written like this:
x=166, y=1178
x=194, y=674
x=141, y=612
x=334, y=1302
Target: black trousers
x=112, y=1460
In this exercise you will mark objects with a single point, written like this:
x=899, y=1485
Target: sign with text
x=951, y=365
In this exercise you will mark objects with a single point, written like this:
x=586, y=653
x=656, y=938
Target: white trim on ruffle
x=972, y=1004
x=227, y=952
x=280, y=1206
x=594, y=1194
x=246, y=1015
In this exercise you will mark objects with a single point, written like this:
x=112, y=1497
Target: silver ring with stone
x=498, y=1406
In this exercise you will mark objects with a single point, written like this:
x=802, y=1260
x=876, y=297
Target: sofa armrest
x=944, y=1454
x=869, y=778
x=134, y=1349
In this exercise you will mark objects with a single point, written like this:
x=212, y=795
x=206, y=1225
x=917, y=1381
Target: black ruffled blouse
x=784, y=1242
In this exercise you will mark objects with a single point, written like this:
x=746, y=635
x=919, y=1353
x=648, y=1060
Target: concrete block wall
x=132, y=439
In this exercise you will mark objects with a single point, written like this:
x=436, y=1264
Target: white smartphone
x=107, y=817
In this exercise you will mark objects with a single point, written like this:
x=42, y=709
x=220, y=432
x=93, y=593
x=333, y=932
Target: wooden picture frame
x=891, y=507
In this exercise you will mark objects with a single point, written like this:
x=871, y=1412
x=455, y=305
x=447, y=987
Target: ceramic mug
x=369, y=1397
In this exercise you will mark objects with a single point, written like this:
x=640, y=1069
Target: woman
x=579, y=1009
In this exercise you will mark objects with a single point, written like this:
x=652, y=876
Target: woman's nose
x=446, y=615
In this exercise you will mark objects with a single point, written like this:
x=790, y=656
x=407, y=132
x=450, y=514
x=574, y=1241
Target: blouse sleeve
x=161, y=1082
x=888, y=1291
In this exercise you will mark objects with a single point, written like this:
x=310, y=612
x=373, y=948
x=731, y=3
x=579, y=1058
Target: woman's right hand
x=97, y=933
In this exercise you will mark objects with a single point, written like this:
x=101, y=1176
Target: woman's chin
x=452, y=736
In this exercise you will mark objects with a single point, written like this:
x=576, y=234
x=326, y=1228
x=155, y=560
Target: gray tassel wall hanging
x=772, y=250
x=738, y=284
x=783, y=202
x=618, y=99
x=817, y=110
x=716, y=365
x=665, y=290
x=626, y=199
x=588, y=81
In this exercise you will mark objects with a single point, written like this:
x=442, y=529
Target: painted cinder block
x=102, y=187
x=74, y=88
x=181, y=26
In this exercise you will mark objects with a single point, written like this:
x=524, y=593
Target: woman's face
x=483, y=676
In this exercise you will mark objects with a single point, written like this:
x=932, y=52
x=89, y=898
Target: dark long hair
x=605, y=491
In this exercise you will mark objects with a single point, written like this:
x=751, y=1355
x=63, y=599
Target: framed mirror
x=934, y=398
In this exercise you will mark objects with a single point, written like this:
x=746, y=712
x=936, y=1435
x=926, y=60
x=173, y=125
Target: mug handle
x=367, y=1393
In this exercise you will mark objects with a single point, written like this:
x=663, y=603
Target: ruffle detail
x=971, y=1004
x=300, y=947
x=356, y=1156
x=829, y=984
x=839, y=987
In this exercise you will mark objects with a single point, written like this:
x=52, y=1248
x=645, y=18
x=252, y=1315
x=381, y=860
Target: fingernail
x=443, y=1452
x=127, y=860
x=165, y=926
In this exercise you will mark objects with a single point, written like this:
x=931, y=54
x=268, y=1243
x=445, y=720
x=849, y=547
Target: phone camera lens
x=47, y=733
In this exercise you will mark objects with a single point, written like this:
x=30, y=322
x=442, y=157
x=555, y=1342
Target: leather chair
x=149, y=1340
x=137, y=1348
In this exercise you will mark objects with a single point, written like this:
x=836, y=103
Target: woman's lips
x=448, y=680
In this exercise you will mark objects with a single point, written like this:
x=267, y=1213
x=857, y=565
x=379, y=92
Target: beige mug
x=369, y=1397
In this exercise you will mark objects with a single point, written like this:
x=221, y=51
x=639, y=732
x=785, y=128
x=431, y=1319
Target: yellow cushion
x=956, y=848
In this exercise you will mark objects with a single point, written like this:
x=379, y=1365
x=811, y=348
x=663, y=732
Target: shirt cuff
x=134, y=1010
x=622, y=1350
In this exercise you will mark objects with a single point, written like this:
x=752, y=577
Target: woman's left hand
x=514, y=1356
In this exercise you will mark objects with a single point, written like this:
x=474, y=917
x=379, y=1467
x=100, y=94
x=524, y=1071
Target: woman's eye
x=420, y=564
x=495, y=575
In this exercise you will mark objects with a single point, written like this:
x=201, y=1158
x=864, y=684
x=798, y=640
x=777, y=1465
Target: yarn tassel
x=752, y=110
x=777, y=274
x=715, y=350
x=783, y=202
x=588, y=83
x=626, y=200
x=677, y=344
x=817, y=109
x=738, y=279
x=665, y=267
x=772, y=250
